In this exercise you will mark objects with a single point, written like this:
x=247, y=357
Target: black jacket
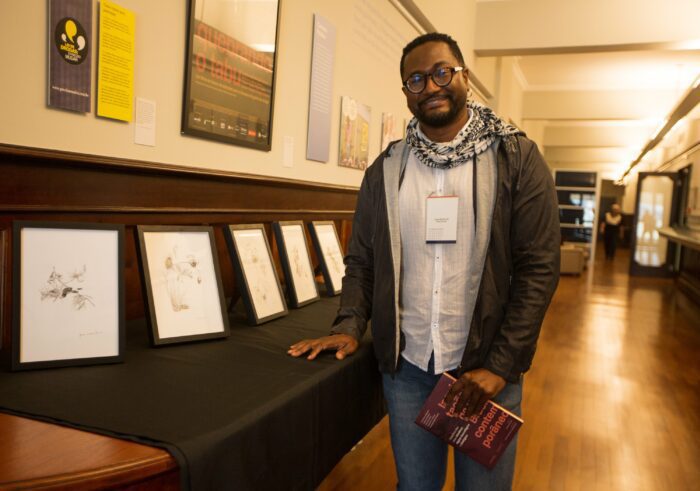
x=520, y=274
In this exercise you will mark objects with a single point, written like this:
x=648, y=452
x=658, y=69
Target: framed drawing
x=255, y=273
x=327, y=246
x=68, y=307
x=230, y=71
x=296, y=264
x=182, y=284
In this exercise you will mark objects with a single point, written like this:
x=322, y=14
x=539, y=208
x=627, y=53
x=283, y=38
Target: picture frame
x=68, y=304
x=256, y=275
x=296, y=262
x=230, y=71
x=182, y=285
x=330, y=254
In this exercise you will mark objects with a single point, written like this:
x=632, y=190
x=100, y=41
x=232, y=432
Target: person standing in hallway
x=468, y=298
x=611, y=228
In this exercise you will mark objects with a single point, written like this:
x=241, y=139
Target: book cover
x=483, y=437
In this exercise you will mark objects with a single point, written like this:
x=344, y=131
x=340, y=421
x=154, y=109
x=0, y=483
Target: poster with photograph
x=183, y=284
x=329, y=252
x=70, y=54
x=69, y=309
x=391, y=129
x=354, y=134
x=230, y=71
x=256, y=275
x=296, y=263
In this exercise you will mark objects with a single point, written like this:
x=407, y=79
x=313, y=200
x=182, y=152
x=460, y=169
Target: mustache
x=434, y=97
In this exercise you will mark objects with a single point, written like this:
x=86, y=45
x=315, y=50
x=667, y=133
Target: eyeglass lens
x=441, y=76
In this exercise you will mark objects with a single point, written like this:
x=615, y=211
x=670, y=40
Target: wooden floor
x=612, y=401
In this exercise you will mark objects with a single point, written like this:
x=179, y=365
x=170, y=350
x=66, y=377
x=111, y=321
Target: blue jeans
x=421, y=457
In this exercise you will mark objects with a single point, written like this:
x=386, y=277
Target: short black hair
x=430, y=38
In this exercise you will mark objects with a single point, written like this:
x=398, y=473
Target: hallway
x=611, y=402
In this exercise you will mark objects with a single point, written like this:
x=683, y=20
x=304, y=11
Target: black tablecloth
x=237, y=413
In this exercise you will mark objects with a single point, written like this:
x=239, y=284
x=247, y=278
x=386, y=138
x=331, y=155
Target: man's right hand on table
x=343, y=344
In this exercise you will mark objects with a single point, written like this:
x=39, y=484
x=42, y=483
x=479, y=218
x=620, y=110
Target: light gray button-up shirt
x=433, y=294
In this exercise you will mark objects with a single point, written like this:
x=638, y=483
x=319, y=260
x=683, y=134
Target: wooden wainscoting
x=39, y=184
x=49, y=185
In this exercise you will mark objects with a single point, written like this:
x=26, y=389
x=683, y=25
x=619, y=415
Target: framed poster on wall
x=230, y=71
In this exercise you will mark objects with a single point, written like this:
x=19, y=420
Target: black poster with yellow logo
x=70, y=54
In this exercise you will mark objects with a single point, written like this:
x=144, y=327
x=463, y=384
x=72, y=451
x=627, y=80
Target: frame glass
x=68, y=280
x=182, y=284
x=256, y=275
x=296, y=263
x=230, y=71
x=327, y=246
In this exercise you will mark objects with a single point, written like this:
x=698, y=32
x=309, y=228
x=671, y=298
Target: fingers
x=454, y=392
x=469, y=393
x=345, y=346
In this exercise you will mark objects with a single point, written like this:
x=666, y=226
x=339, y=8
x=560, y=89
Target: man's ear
x=404, y=90
x=465, y=74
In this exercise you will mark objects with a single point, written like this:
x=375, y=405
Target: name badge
x=441, y=218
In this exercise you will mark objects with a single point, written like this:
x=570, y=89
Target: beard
x=438, y=119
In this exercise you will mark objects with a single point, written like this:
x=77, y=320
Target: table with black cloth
x=236, y=413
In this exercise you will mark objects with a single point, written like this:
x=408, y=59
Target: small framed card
x=68, y=306
x=182, y=284
x=296, y=264
x=256, y=275
x=327, y=245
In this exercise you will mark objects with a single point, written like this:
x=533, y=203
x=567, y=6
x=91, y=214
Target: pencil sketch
x=257, y=266
x=181, y=274
x=60, y=287
x=299, y=262
x=332, y=255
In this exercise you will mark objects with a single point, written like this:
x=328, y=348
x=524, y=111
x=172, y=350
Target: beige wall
x=370, y=35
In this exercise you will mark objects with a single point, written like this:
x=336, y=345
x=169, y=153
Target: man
x=471, y=306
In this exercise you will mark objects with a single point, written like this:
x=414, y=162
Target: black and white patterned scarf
x=479, y=133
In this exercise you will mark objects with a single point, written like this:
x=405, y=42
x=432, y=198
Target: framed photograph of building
x=230, y=71
x=182, y=284
x=256, y=275
x=68, y=306
x=327, y=246
x=296, y=263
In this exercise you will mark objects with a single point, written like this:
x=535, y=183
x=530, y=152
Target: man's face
x=435, y=106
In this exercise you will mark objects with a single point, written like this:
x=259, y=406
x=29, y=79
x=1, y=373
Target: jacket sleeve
x=358, y=283
x=535, y=239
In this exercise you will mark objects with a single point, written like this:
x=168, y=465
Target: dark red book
x=482, y=437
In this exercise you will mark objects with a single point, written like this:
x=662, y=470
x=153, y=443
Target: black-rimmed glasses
x=441, y=76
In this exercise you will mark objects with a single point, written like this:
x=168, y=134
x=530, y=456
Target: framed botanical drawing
x=296, y=264
x=329, y=252
x=68, y=307
x=182, y=284
x=256, y=275
x=230, y=71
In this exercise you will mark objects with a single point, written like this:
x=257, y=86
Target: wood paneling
x=48, y=185
x=40, y=184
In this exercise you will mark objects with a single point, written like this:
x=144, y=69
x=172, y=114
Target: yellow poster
x=115, y=69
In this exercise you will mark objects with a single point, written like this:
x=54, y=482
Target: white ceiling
x=599, y=78
x=638, y=70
